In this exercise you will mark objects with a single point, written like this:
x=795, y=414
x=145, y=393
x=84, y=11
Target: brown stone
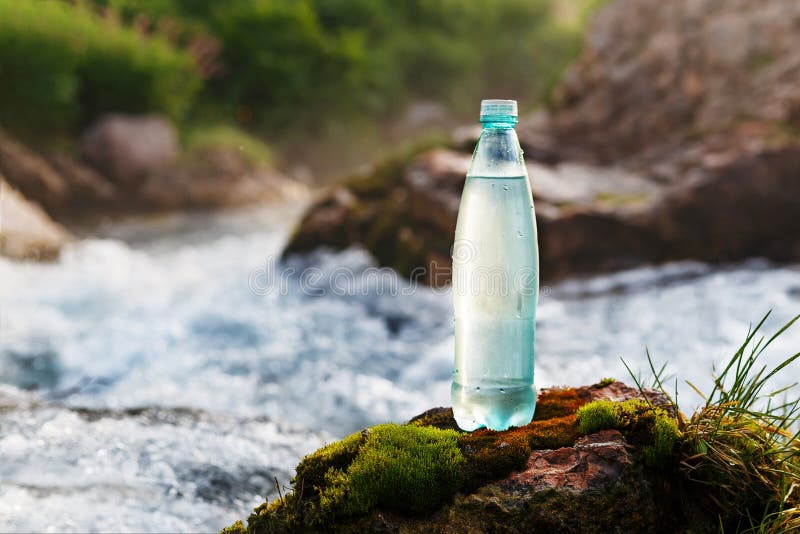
x=87, y=187
x=594, y=462
x=31, y=174
x=656, y=72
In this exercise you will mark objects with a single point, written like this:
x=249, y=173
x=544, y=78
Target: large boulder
x=26, y=232
x=564, y=472
x=128, y=149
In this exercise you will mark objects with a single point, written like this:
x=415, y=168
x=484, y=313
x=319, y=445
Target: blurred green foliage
x=61, y=66
x=283, y=63
x=199, y=140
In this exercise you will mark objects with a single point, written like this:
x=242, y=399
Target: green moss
x=404, y=468
x=437, y=417
x=278, y=517
x=490, y=456
x=598, y=415
x=606, y=381
x=665, y=437
x=760, y=61
x=236, y=528
x=337, y=455
x=390, y=170
x=650, y=428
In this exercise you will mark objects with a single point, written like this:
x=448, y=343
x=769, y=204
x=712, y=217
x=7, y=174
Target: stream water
x=155, y=380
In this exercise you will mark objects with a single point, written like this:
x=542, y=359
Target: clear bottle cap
x=498, y=108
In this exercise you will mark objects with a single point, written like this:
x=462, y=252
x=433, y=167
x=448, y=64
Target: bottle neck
x=498, y=152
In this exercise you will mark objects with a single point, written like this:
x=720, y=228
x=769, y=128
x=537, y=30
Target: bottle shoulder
x=498, y=154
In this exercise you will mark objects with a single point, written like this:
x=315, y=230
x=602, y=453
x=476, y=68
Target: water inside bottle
x=495, y=287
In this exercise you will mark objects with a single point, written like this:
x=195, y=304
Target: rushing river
x=157, y=379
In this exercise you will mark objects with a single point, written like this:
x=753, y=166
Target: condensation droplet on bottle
x=520, y=234
x=477, y=388
x=502, y=390
x=505, y=188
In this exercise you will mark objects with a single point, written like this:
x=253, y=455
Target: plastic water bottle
x=495, y=281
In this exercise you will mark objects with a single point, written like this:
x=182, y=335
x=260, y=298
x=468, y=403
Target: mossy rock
x=653, y=429
x=372, y=209
x=428, y=476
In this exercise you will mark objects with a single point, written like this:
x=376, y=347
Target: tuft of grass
x=743, y=445
x=606, y=381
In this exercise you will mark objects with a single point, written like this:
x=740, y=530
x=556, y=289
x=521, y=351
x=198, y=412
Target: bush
x=301, y=62
x=279, y=65
x=284, y=67
x=352, y=57
x=61, y=66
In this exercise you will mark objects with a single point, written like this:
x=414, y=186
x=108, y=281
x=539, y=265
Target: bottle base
x=493, y=407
